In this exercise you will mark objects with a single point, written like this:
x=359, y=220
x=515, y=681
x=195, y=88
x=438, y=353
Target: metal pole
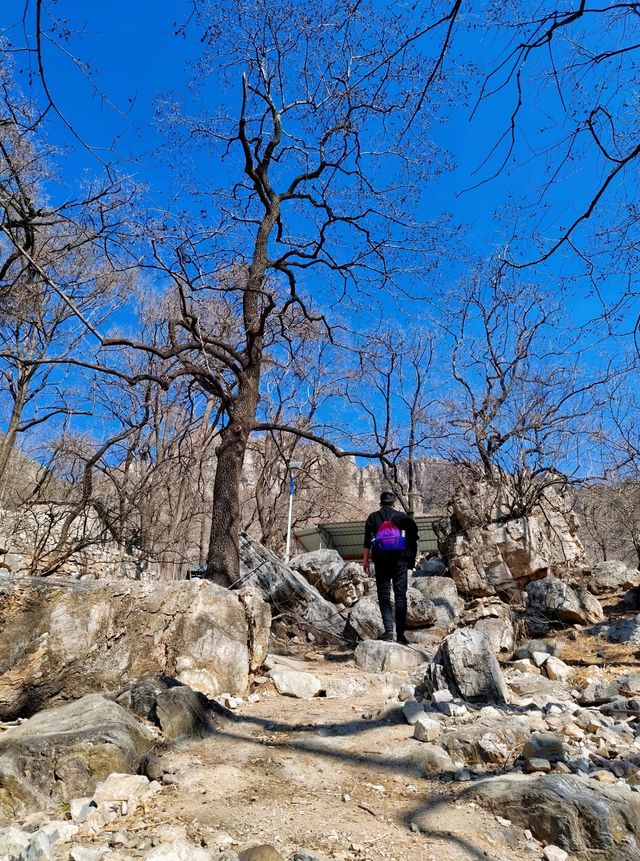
x=292, y=466
x=287, y=553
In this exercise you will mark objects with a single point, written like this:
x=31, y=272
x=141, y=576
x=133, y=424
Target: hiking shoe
x=402, y=640
x=387, y=637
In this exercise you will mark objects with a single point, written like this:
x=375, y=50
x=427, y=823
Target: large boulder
x=376, y=656
x=60, y=639
x=578, y=814
x=288, y=593
x=443, y=594
x=364, y=621
x=555, y=599
x=470, y=668
x=63, y=752
x=483, y=742
x=421, y=612
x=338, y=581
x=494, y=618
x=490, y=551
x=611, y=576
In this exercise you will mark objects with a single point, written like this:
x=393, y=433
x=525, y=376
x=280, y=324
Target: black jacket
x=401, y=520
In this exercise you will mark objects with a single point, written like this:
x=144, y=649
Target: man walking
x=391, y=543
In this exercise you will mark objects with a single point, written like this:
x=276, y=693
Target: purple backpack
x=389, y=538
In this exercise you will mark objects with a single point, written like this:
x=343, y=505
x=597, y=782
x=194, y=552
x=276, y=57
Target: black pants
x=388, y=573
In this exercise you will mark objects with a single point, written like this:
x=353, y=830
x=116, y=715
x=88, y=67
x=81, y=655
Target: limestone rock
x=178, y=850
x=443, y=595
x=66, y=638
x=179, y=711
x=293, y=683
x=420, y=610
x=472, y=667
x=612, y=576
x=577, y=814
x=64, y=752
x=431, y=759
x=490, y=743
x=364, y=621
x=494, y=618
x=526, y=688
x=491, y=552
x=623, y=631
x=282, y=587
x=426, y=729
x=544, y=745
x=555, y=599
x=557, y=670
x=340, y=582
x=376, y=656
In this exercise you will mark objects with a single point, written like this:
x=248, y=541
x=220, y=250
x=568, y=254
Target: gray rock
x=623, y=631
x=263, y=852
x=472, y=667
x=420, y=610
x=555, y=599
x=179, y=711
x=544, y=745
x=557, y=670
x=412, y=710
x=281, y=586
x=577, y=814
x=364, y=619
x=612, y=576
x=538, y=690
x=340, y=582
x=376, y=656
x=443, y=595
x=100, y=635
x=528, y=649
x=64, y=752
x=495, y=743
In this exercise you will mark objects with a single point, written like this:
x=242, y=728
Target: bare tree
x=527, y=402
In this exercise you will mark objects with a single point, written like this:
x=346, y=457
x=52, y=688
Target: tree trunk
x=223, y=557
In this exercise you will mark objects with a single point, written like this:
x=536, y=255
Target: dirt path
x=327, y=776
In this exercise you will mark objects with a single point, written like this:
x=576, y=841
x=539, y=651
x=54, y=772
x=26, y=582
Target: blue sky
x=133, y=56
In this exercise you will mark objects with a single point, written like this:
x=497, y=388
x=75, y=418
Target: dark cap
x=387, y=497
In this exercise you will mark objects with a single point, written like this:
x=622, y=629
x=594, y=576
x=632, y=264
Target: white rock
x=88, y=853
x=59, y=831
x=556, y=669
x=40, y=848
x=426, y=729
x=13, y=841
x=554, y=853
x=121, y=787
x=412, y=710
x=443, y=696
x=80, y=808
x=178, y=850
x=539, y=658
x=293, y=683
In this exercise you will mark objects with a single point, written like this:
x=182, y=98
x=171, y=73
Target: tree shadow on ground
x=316, y=745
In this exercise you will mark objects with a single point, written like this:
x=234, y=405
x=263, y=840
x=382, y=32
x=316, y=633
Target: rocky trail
x=320, y=778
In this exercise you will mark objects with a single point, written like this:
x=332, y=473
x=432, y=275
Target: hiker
x=391, y=543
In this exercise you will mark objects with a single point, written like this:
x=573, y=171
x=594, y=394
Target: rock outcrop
x=490, y=551
x=62, y=638
x=610, y=577
x=578, y=814
x=63, y=752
